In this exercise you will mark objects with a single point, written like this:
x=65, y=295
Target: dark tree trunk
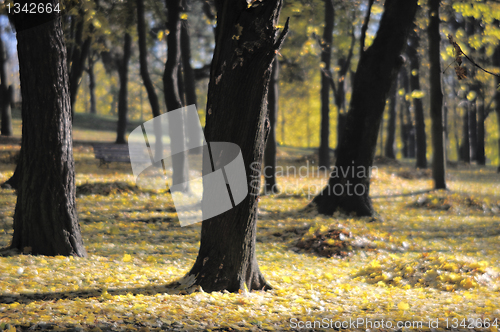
x=93, y=107
x=122, y=65
x=473, y=129
x=326, y=76
x=480, y=153
x=406, y=119
x=270, y=185
x=496, y=63
x=80, y=51
x=45, y=218
x=421, y=140
x=391, y=126
x=5, y=94
x=237, y=113
x=180, y=164
x=189, y=81
x=436, y=98
x=378, y=66
x=465, y=146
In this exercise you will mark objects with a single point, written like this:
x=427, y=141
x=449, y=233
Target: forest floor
x=430, y=262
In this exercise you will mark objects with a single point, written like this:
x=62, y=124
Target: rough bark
x=236, y=112
x=45, y=218
x=378, y=66
x=180, y=164
x=391, y=125
x=270, y=185
x=420, y=136
x=326, y=76
x=122, y=65
x=436, y=98
x=5, y=94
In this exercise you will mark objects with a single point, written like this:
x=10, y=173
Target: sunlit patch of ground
x=416, y=264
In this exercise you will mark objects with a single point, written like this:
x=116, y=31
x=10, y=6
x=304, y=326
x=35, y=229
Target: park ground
x=429, y=258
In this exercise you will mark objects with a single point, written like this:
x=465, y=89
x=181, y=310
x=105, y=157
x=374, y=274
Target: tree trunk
x=180, y=164
x=496, y=63
x=80, y=52
x=5, y=94
x=406, y=119
x=421, y=140
x=436, y=98
x=93, y=107
x=391, y=126
x=465, y=146
x=349, y=184
x=189, y=81
x=326, y=76
x=237, y=113
x=122, y=65
x=270, y=185
x=45, y=218
x=480, y=153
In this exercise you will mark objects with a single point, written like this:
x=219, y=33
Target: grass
x=419, y=263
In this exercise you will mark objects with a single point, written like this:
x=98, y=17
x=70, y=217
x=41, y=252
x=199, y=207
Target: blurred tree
x=436, y=98
x=391, y=126
x=5, y=93
x=270, y=185
x=378, y=66
x=45, y=218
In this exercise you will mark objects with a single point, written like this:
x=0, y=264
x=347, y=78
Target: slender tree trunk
x=270, y=185
x=180, y=164
x=349, y=184
x=45, y=218
x=122, y=65
x=496, y=63
x=93, y=107
x=237, y=113
x=407, y=128
x=80, y=52
x=436, y=98
x=189, y=81
x=326, y=76
x=465, y=146
x=421, y=140
x=481, y=133
x=391, y=126
x=5, y=94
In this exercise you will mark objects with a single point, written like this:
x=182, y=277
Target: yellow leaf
x=127, y=258
x=403, y=306
x=287, y=279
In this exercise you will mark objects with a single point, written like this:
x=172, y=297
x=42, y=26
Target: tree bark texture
x=246, y=44
x=45, y=218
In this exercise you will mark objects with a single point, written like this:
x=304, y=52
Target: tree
x=246, y=44
x=326, y=55
x=405, y=116
x=420, y=136
x=496, y=63
x=45, y=218
x=436, y=98
x=377, y=68
x=270, y=185
x=5, y=93
x=173, y=101
x=391, y=126
x=122, y=66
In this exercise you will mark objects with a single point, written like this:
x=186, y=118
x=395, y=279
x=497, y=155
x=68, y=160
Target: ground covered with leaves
x=430, y=260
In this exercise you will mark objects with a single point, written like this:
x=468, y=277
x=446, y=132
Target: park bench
x=109, y=152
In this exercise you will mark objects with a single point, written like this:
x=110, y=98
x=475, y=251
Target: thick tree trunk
x=326, y=76
x=270, y=185
x=45, y=218
x=5, y=94
x=349, y=185
x=391, y=126
x=237, y=113
x=180, y=164
x=93, y=106
x=421, y=139
x=122, y=65
x=436, y=98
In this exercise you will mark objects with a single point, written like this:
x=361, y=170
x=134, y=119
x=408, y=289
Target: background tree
x=246, y=44
x=377, y=68
x=436, y=94
x=270, y=185
x=5, y=93
x=45, y=218
x=326, y=76
x=391, y=126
